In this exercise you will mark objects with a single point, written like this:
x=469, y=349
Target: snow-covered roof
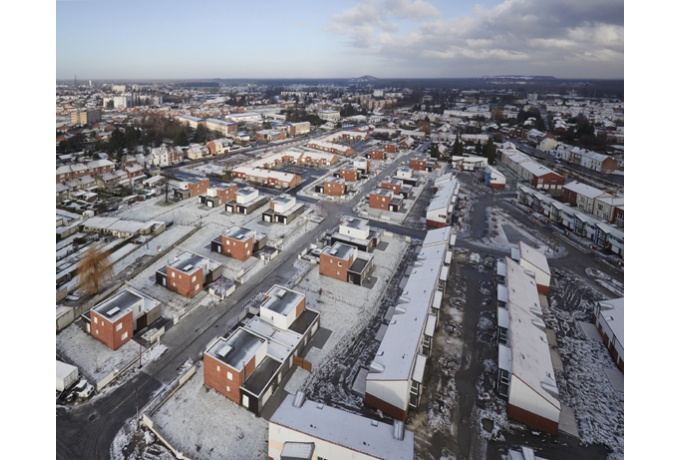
x=583, y=189
x=398, y=350
x=612, y=312
x=531, y=361
x=239, y=233
x=281, y=300
x=280, y=342
x=445, y=195
x=534, y=257
x=238, y=349
x=345, y=429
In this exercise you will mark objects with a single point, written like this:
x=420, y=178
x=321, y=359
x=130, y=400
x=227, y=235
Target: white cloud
x=559, y=33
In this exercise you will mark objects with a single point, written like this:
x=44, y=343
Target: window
x=339, y=264
x=228, y=243
x=119, y=326
x=173, y=274
x=228, y=389
x=124, y=336
x=230, y=376
x=218, y=368
x=96, y=331
x=96, y=320
x=193, y=278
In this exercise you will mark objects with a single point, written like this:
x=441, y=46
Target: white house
x=608, y=318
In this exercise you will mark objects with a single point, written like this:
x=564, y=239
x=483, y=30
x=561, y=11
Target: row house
x=526, y=377
x=608, y=318
x=330, y=147
x=190, y=121
x=356, y=232
x=534, y=261
x=534, y=173
x=586, y=158
x=396, y=373
x=115, y=320
x=267, y=177
x=580, y=195
x=440, y=210
x=188, y=274
x=304, y=429
x=385, y=200
x=219, y=194
x=315, y=158
x=345, y=263
x=283, y=209
x=249, y=365
x=580, y=223
x=247, y=200
x=605, y=207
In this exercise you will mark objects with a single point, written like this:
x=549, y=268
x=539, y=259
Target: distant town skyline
x=309, y=39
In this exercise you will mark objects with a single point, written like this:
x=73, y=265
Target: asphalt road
x=87, y=431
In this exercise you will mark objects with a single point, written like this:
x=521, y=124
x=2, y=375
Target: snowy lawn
x=205, y=425
x=95, y=360
x=346, y=308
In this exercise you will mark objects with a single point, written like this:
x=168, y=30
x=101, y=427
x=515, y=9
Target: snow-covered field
x=205, y=425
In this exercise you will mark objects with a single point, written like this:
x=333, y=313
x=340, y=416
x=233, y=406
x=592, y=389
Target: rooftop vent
x=374, y=423
x=224, y=351
x=188, y=267
x=112, y=312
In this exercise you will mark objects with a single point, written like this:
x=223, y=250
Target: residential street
x=82, y=435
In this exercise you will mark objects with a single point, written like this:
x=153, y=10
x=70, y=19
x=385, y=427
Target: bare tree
x=94, y=269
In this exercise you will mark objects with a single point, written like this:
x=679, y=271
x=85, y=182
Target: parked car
x=83, y=389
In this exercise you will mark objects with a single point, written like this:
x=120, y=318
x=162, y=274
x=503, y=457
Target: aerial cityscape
x=369, y=229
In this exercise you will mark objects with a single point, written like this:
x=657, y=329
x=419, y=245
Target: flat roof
x=188, y=263
x=239, y=233
x=115, y=307
x=444, y=196
x=345, y=429
x=263, y=373
x=281, y=300
x=340, y=250
x=236, y=350
x=354, y=222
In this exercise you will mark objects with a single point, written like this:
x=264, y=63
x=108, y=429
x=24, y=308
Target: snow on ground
x=134, y=442
x=95, y=360
x=346, y=308
x=205, y=425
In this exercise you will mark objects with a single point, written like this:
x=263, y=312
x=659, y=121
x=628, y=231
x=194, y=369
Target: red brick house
x=349, y=174
x=377, y=154
x=334, y=186
x=345, y=263
x=188, y=274
x=114, y=321
x=237, y=242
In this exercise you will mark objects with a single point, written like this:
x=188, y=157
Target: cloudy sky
x=109, y=39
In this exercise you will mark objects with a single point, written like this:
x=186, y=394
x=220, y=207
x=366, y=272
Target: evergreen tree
x=490, y=152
